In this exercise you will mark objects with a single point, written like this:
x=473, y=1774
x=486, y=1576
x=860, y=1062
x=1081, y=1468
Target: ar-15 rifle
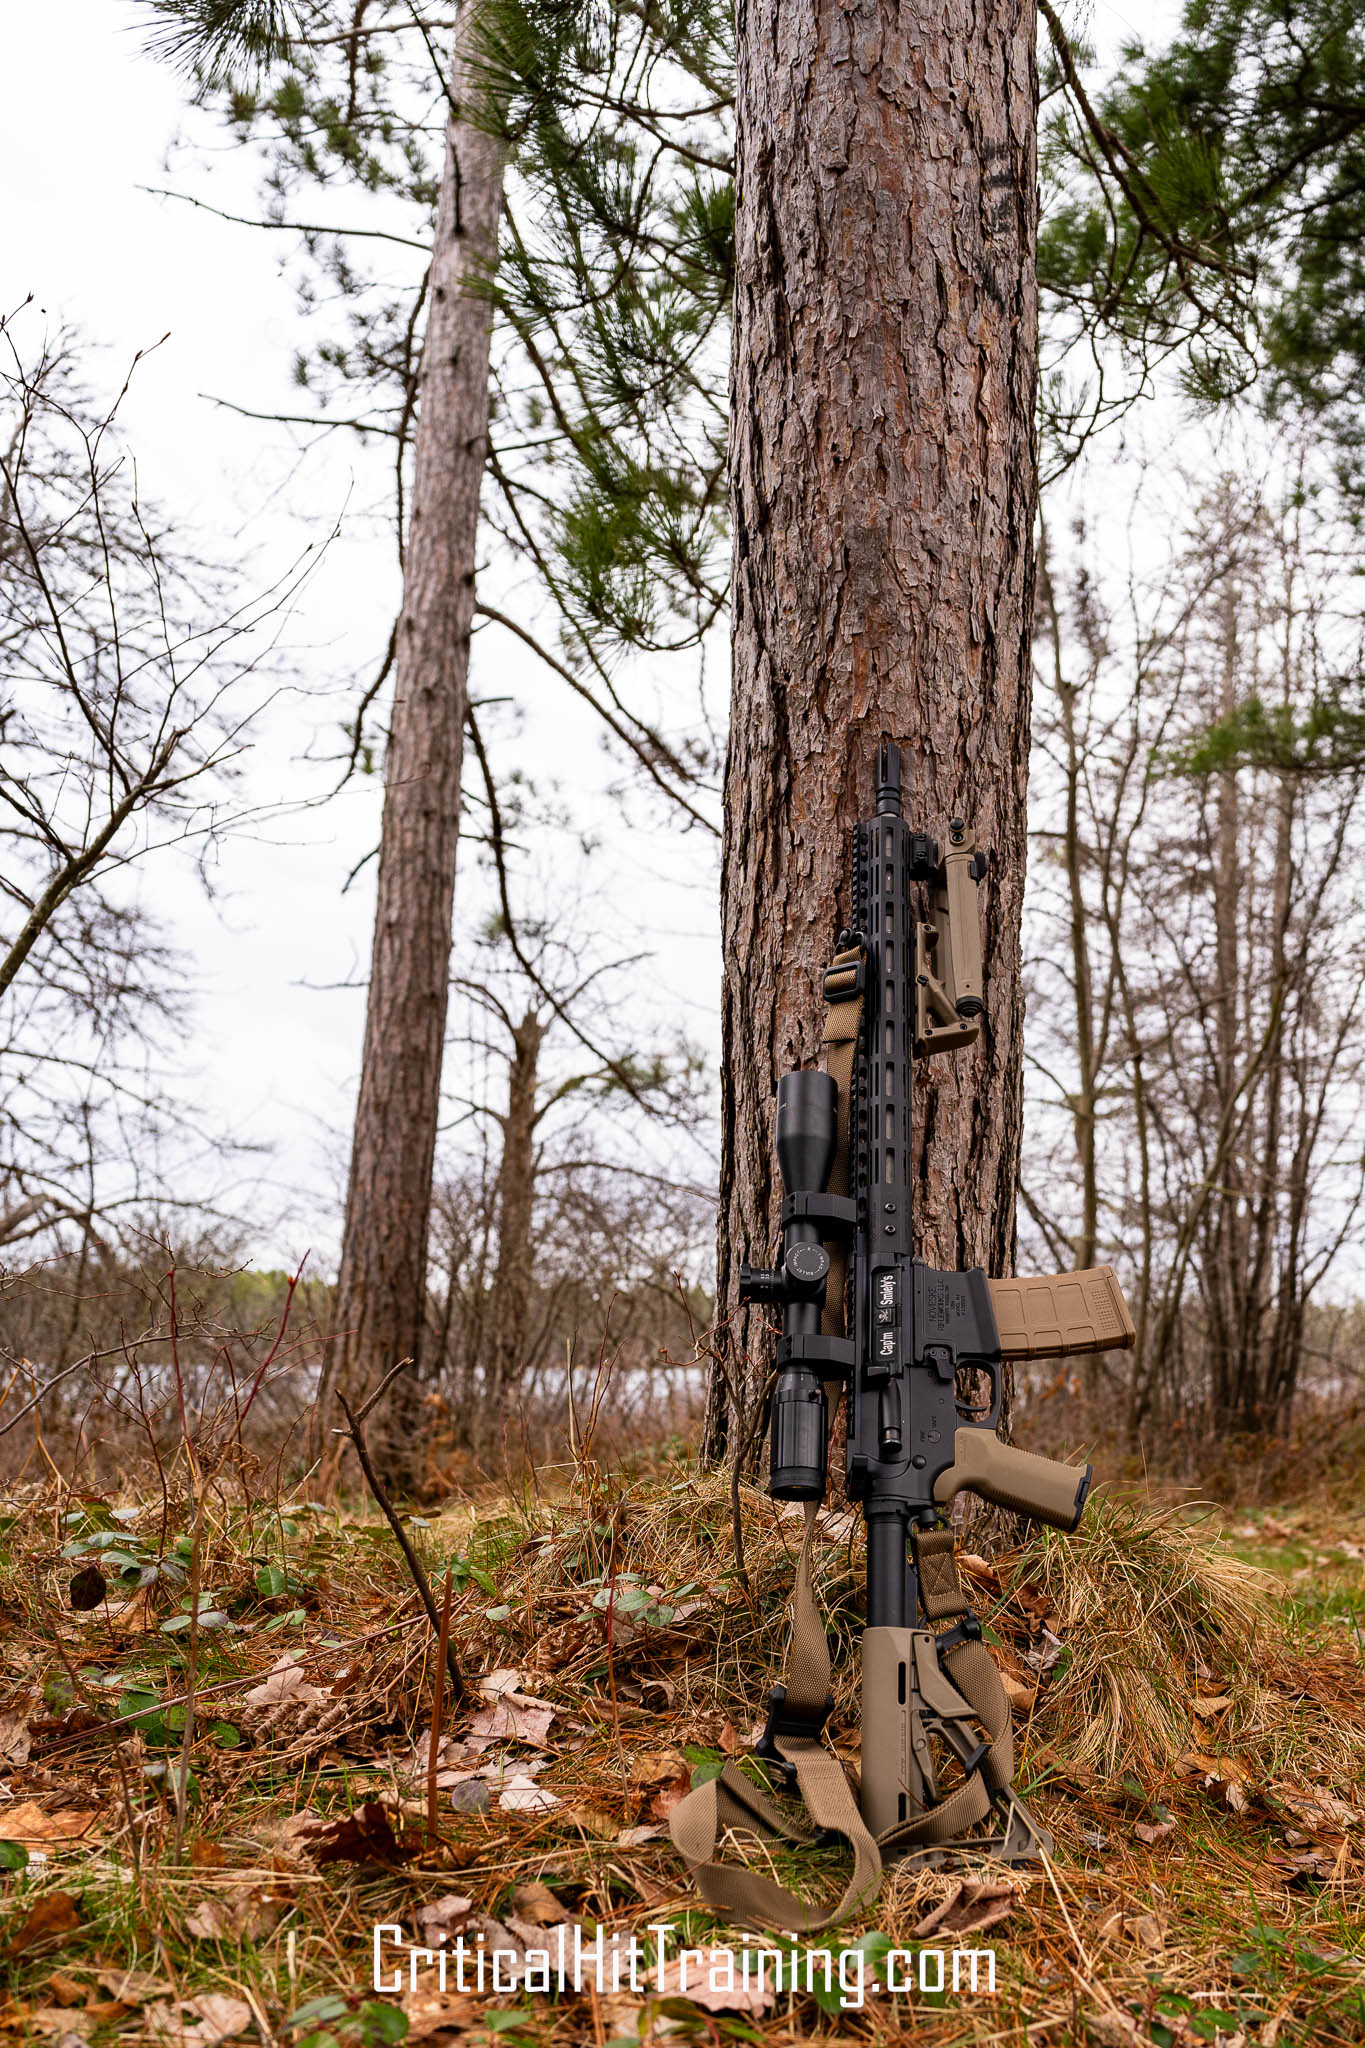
x=916, y=1348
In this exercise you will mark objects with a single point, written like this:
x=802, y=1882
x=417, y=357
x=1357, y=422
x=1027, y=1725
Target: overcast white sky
x=86, y=122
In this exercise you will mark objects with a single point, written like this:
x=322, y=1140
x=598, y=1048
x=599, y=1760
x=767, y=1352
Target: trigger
x=941, y=1359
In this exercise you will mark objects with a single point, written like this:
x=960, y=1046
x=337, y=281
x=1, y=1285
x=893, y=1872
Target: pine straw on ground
x=1189, y=1724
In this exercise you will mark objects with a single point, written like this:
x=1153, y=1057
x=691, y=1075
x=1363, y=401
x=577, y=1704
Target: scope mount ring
x=838, y=1214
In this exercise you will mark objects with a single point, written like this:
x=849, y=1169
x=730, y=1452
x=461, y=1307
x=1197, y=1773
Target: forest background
x=1196, y=559
x=249, y=1708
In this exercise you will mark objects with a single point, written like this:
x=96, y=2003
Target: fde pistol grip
x=1021, y=1480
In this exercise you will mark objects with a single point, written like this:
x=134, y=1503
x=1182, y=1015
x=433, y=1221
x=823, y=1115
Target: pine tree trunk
x=1225, y=1261
x=381, y=1292
x=883, y=493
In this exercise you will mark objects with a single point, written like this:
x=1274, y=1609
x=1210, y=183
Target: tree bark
x=381, y=1292
x=883, y=492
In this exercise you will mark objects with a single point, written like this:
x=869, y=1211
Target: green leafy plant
x=120, y=1553
x=333, y=2022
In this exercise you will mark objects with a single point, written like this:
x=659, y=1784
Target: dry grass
x=1180, y=1715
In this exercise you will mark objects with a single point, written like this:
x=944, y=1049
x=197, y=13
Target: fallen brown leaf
x=52, y=2022
x=348, y=1673
x=35, y=1829
x=713, y=1984
x=1194, y=1763
x=1044, y=1655
x=66, y=1990
x=1148, y=1930
x=969, y=1909
x=211, y=1920
x=47, y=1729
x=13, y=2014
x=510, y=1943
x=1230, y=1792
x=521, y=1794
x=1021, y=1696
x=15, y=1740
x=667, y=1796
x=433, y=2012
x=657, y=1767
x=1158, y=1831
x=285, y=1684
x=506, y=1679
x=594, y=1821
x=47, y=1920
x=443, y=1919
x=236, y=1916
x=1114, y=2030
x=363, y=1836
x=1319, y=1808
x=1315, y=1862
x=537, y=1904
x=205, y=1855
x=132, y=1987
x=624, y=2019
x=514, y=1717
x=199, y=2022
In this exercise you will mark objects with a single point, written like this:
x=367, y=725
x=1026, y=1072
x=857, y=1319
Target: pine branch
x=215, y=39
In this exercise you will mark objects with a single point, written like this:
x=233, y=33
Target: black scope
x=807, y=1138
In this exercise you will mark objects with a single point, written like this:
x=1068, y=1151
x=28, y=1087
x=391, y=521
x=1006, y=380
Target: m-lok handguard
x=920, y=1354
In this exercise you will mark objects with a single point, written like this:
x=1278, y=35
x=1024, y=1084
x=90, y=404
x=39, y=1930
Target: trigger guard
x=990, y=1419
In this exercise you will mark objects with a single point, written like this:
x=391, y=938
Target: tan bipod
x=948, y=1000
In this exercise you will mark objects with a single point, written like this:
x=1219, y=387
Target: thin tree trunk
x=1225, y=1259
x=509, y=1318
x=1260, y=1304
x=1084, y=1099
x=381, y=1292
x=883, y=492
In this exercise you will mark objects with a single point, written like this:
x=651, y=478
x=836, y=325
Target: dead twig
x=437, y=1704
x=742, y=1448
x=355, y=1431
